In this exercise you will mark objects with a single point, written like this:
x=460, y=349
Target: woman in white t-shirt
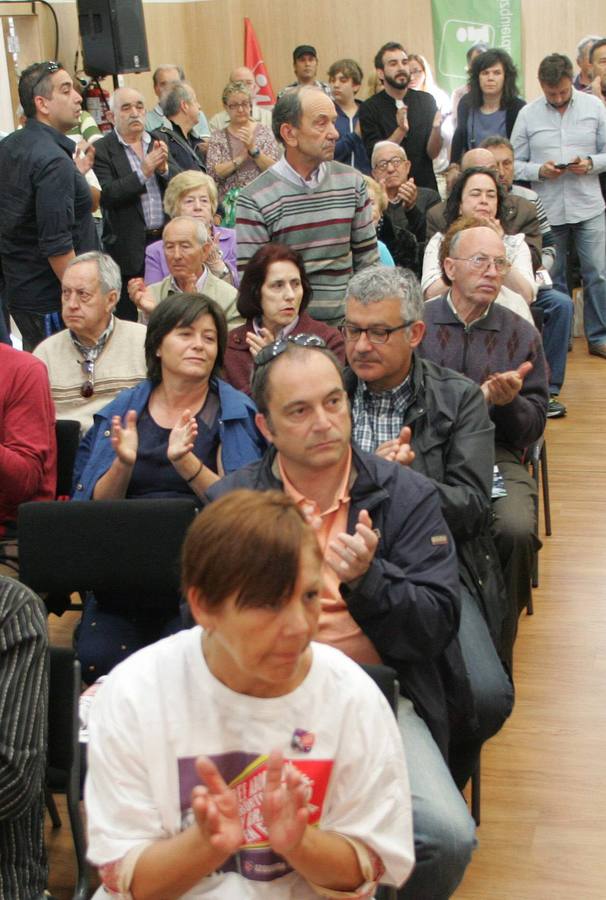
x=478, y=195
x=302, y=789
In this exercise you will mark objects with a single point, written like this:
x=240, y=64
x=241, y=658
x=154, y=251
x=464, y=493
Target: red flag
x=253, y=59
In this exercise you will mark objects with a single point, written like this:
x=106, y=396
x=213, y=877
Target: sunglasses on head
x=49, y=67
x=273, y=350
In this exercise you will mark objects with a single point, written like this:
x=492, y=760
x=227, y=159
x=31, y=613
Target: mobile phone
x=561, y=165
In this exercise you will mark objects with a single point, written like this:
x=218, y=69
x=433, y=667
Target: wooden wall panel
x=208, y=36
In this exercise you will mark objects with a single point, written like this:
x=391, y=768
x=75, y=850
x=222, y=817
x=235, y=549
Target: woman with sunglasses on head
x=492, y=104
x=172, y=435
x=238, y=153
x=274, y=294
x=478, y=195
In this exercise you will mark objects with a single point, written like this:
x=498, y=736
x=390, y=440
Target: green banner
x=458, y=24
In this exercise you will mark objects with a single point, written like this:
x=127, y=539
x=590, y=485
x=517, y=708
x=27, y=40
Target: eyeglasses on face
x=244, y=105
x=376, y=334
x=395, y=162
x=480, y=262
x=88, y=387
x=48, y=69
x=267, y=354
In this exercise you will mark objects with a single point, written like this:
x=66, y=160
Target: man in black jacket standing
x=406, y=117
x=133, y=170
x=45, y=200
x=391, y=590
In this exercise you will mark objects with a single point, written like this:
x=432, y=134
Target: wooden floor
x=543, y=831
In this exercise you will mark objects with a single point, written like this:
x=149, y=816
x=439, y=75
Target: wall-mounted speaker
x=113, y=36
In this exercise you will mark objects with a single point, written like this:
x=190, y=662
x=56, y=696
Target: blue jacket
x=241, y=443
x=407, y=603
x=349, y=142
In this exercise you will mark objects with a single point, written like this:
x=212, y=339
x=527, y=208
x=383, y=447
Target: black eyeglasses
x=272, y=350
x=376, y=334
x=88, y=369
x=49, y=67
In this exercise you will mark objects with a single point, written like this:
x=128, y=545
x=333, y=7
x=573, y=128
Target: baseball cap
x=302, y=50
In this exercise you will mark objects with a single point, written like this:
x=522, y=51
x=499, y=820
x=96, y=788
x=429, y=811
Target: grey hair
x=376, y=283
x=379, y=146
x=108, y=271
x=288, y=110
x=116, y=93
x=179, y=93
x=164, y=66
x=200, y=231
x=586, y=43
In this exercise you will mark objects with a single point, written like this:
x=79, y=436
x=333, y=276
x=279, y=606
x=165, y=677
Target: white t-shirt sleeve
x=120, y=807
x=518, y=254
x=431, y=263
x=371, y=764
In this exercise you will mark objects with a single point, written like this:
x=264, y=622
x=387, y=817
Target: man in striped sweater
x=23, y=713
x=308, y=201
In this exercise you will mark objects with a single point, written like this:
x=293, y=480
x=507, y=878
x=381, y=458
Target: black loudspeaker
x=113, y=36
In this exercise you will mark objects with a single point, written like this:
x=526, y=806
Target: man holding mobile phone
x=569, y=189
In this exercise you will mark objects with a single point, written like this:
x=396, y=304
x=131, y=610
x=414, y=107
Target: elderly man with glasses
x=404, y=223
x=97, y=355
x=470, y=333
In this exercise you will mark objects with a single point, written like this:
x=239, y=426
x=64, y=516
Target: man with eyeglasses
x=133, y=168
x=96, y=355
x=403, y=228
x=407, y=409
x=406, y=117
x=390, y=578
x=470, y=333
x=45, y=200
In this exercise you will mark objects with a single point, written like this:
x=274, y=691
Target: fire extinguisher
x=96, y=101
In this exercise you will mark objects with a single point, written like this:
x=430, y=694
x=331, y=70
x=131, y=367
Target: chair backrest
x=386, y=680
x=68, y=439
x=119, y=547
x=63, y=721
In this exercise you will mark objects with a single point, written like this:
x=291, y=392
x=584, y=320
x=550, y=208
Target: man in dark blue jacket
x=391, y=590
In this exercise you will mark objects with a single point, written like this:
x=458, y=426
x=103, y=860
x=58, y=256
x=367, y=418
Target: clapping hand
x=124, y=438
x=183, y=436
x=256, y=341
x=355, y=552
x=285, y=809
x=407, y=192
x=503, y=387
x=215, y=807
x=156, y=160
x=141, y=295
x=399, y=449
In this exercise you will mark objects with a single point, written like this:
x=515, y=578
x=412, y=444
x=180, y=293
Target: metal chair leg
x=476, y=791
x=545, y=478
x=52, y=809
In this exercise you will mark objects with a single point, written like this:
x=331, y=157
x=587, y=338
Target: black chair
x=67, y=432
x=63, y=760
x=115, y=548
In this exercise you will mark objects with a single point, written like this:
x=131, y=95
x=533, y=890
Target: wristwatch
x=254, y=153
